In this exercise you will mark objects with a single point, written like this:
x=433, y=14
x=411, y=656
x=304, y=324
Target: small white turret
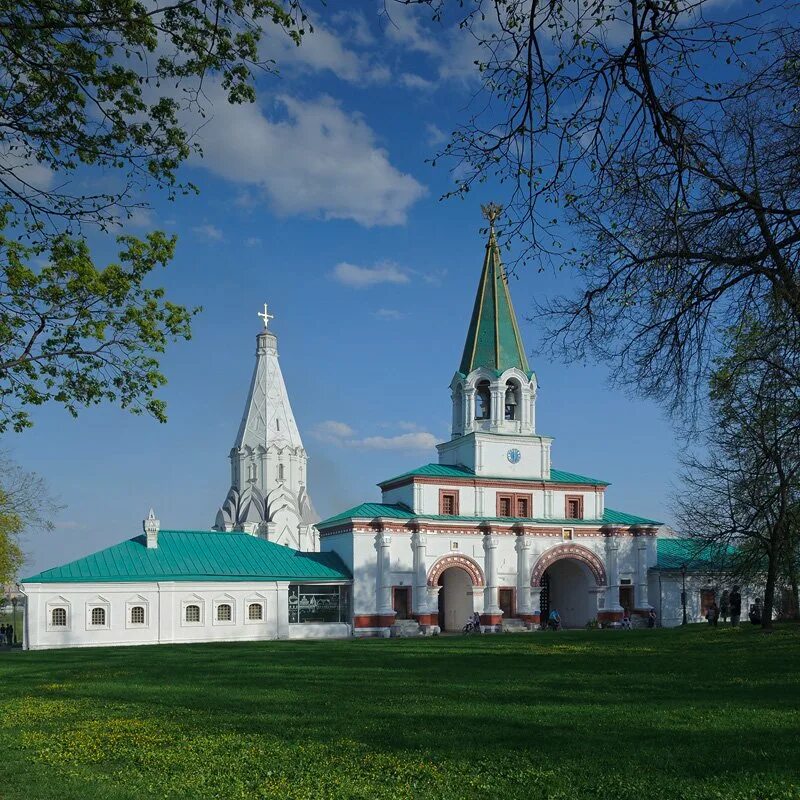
x=151, y=527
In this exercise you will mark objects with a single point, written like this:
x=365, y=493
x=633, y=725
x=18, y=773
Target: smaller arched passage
x=573, y=551
x=469, y=565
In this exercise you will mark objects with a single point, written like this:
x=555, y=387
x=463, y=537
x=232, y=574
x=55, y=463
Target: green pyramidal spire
x=493, y=339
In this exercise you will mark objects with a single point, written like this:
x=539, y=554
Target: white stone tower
x=494, y=390
x=268, y=495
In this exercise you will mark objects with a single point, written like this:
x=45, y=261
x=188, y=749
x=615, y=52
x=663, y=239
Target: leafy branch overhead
x=104, y=84
x=79, y=335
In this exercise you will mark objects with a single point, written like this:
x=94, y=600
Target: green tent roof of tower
x=493, y=339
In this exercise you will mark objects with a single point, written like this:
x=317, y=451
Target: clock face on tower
x=514, y=455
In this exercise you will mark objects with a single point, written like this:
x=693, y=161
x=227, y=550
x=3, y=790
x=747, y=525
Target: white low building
x=188, y=586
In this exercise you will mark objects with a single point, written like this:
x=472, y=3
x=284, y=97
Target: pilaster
x=492, y=615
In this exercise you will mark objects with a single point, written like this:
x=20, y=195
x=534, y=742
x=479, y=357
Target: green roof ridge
x=196, y=555
x=458, y=471
x=493, y=337
x=399, y=511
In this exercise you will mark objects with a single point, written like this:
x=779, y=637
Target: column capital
x=419, y=539
x=383, y=539
x=522, y=542
x=490, y=541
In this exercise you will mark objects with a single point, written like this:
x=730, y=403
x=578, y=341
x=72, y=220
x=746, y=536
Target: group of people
x=627, y=622
x=730, y=605
x=7, y=634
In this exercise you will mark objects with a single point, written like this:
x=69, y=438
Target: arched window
x=193, y=613
x=58, y=617
x=483, y=401
x=224, y=613
x=281, y=473
x=255, y=611
x=137, y=615
x=511, y=401
x=98, y=616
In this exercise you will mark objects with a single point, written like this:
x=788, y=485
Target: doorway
x=401, y=602
x=505, y=597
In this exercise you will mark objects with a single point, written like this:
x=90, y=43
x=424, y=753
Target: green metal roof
x=399, y=511
x=694, y=555
x=493, y=338
x=445, y=471
x=197, y=556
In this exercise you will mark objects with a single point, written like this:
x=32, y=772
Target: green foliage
x=78, y=335
x=581, y=715
x=10, y=552
x=103, y=84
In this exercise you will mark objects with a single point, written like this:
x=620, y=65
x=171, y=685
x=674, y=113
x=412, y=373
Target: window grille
x=137, y=615
x=224, y=613
x=98, y=616
x=255, y=611
x=193, y=613
x=58, y=617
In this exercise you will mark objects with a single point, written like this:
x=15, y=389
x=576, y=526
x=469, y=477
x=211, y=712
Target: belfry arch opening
x=483, y=400
x=511, y=401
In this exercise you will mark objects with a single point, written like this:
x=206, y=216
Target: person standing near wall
x=735, y=600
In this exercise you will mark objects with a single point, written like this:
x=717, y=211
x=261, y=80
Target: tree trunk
x=769, y=589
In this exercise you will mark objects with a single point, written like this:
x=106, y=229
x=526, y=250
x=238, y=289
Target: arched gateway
x=458, y=576
x=568, y=578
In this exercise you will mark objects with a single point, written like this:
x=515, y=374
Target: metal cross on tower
x=266, y=317
x=491, y=211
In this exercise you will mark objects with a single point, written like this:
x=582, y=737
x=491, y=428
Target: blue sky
x=318, y=200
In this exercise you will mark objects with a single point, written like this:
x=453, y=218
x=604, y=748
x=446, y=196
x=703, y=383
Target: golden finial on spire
x=491, y=211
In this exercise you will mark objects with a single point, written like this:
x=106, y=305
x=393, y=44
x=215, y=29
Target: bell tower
x=494, y=390
x=268, y=495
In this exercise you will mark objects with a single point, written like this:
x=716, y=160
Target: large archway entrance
x=569, y=577
x=568, y=583
x=457, y=576
x=455, y=599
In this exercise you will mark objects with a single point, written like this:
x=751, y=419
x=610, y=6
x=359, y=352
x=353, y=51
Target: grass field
x=691, y=713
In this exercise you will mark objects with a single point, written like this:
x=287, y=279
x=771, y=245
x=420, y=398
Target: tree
x=102, y=84
x=25, y=504
x=79, y=335
x=105, y=93
x=666, y=133
x=744, y=493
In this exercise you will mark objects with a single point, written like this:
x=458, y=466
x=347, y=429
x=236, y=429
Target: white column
x=469, y=409
x=523, y=548
x=536, y=601
x=641, y=573
x=498, y=393
x=383, y=544
x=490, y=598
x=612, y=572
x=419, y=543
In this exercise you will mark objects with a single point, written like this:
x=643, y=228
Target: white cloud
x=405, y=27
x=419, y=440
x=308, y=157
x=209, y=232
x=332, y=431
x=412, y=81
x=436, y=135
x=388, y=314
x=342, y=434
x=361, y=277
x=323, y=49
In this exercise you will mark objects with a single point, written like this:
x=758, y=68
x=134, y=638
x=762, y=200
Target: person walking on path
x=2, y=635
x=725, y=605
x=735, y=600
x=10, y=635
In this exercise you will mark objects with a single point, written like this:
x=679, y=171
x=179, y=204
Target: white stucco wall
x=165, y=618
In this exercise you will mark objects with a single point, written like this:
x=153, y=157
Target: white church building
x=490, y=527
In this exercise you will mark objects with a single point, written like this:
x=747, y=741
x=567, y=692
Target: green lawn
x=694, y=713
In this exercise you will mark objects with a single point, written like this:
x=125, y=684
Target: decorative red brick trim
x=491, y=619
x=573, y=498
x=609, y=616
x=569, y=550
x=469, y=565
x=365, y=621
x=533, y=619
x=427, y=619
x=454, y=493
x=386, y=620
